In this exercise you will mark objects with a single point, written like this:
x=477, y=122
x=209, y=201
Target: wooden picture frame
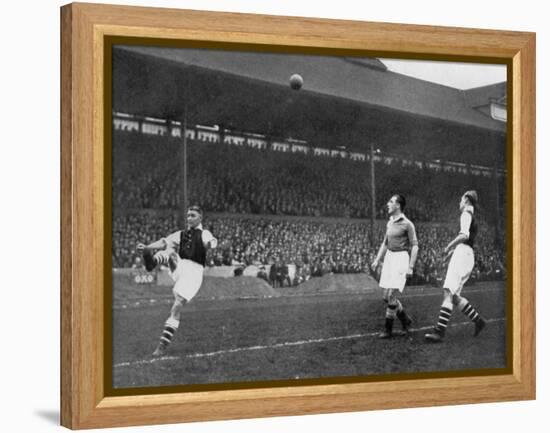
x=83, y=220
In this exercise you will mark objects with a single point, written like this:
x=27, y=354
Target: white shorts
x=460, y=268
x=187, y=278
x=394, y=270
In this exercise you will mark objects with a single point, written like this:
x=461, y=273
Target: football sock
x=391, y=313
x=398, y=306
x=470, y=312
x=161, y=258
x=402, y=316
x=170, y=328
x=444, y=316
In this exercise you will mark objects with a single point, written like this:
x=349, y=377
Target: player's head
x=396, y=204
x=469, y=198
x=194, y=216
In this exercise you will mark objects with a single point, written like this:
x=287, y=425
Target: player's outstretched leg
x=170, y=327
x=149, y=259
x=470, y=312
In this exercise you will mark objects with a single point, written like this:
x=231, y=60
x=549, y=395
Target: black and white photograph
x=295, y=216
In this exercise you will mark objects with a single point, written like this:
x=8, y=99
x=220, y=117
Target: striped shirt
x=172, y=241
x=400, y=234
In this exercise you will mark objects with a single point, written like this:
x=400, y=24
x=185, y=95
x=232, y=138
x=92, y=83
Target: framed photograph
x=267, y=216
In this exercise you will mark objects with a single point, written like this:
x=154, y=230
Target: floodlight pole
x=182, y=164
x=182, y=218
x=373, y=194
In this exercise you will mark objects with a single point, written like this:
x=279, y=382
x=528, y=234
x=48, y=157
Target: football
x=296, y=81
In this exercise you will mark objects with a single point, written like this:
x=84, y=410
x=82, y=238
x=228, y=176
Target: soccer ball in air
x=296, y=81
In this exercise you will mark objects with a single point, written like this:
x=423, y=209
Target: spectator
x=278, y=183
x=262, y=274
x=275, y=183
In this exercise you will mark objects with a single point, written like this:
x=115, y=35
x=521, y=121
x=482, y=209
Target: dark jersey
x=191, y=246
x=473, y=229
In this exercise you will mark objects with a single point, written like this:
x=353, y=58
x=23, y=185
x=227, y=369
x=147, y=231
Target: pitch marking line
x=274, y=346
x=169, y=299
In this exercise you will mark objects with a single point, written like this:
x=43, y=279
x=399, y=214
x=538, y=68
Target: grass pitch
x=299, y=336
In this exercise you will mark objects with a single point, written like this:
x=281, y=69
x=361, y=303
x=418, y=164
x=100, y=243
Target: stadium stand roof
x=480, y=98
x=400, y=115
x=367, y=80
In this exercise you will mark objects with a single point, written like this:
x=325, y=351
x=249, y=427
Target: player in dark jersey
x=184, y=252
x=398, y=265
x=459, y=270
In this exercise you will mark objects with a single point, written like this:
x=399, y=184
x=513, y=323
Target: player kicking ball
x=184, y=252
x=399, y=239
x=458, y=272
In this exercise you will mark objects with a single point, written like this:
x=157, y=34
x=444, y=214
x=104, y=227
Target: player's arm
x=209, y=240
x=381, y=252
x=157, y=245
x=413, y=241
x=464, y=235
x=170, y=242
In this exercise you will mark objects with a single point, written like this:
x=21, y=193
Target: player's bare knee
x=459, y=301
x=176, y=309
x=178, y=304
x=455, y=299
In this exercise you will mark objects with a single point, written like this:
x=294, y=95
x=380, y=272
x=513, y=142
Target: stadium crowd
x=314, y=247
x=238, y=179
x=228, y=179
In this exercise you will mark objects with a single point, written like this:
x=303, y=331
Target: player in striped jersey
x=459, y=270
x=184, y=251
